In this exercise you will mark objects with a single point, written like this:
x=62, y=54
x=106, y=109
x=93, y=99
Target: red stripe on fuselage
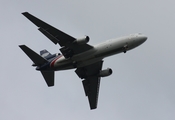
x=53, y=62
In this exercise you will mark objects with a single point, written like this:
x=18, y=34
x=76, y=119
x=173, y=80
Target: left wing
x=69, y=47
x=91, y=82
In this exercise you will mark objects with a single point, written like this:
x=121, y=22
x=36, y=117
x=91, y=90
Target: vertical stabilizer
x=44, y=53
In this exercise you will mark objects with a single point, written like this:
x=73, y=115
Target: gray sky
x=142, y=86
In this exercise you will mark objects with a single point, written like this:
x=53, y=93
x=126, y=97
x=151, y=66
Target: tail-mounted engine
x=105, y=72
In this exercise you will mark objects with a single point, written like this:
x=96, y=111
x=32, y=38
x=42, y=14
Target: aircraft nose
x=138, y=39
x=142, y=39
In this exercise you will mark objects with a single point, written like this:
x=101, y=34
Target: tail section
x=37, y=59
x=49, y=77
x=45, y=53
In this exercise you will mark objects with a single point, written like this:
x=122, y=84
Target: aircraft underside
x=87, y=60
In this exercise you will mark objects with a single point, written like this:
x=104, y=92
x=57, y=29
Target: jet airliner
x=76, y=53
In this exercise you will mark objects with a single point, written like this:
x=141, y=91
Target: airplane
x=76, y=53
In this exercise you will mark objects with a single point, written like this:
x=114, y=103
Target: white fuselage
x=100, y=51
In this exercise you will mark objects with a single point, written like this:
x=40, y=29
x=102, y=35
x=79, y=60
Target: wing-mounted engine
x=68, y=51
x=105, y=72
x=83, y=40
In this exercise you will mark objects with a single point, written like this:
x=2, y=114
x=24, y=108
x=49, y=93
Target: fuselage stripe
x=53, y=62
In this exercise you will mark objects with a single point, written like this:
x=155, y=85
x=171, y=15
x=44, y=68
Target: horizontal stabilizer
x=49, y=77
x=37, y=59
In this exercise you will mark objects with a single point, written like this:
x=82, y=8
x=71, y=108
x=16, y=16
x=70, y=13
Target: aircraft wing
x=56, y=36
x=91, y=82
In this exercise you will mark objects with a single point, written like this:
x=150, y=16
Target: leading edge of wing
x=55, y=35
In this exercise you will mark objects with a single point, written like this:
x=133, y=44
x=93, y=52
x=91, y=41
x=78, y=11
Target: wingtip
x=21, y=46
x=24, y=13
x=93, y=108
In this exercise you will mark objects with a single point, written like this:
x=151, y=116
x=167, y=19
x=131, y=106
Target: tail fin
x=45, y=53
x=37, y=59
x=49, y=77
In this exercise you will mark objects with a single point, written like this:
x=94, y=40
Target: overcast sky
x=142, y=86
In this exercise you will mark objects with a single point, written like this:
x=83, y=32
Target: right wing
x=91, y=82
x=69, y=47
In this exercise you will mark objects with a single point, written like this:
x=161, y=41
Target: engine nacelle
x=83, y=40
x=105, y=72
